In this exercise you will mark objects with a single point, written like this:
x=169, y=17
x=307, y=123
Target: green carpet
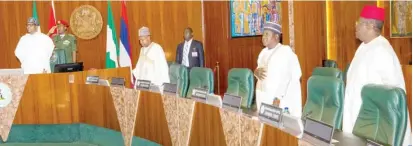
x=47, y=144
x=67, y=135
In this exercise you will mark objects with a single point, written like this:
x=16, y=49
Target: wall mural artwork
x=248, y=17
x=401, y=18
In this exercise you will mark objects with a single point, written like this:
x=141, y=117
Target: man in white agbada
x=375, y=62
x=152, y=65
x=34, y=50
x=278, y=73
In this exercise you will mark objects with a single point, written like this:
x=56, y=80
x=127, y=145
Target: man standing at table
x=34, y=50
x=152, y=65
x=190, y=53
x=278, y=73
x=65, y=41
x=375, y=62
x=66, y=47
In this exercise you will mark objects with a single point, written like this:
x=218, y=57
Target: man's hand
x=260, y=73
x=51, y=31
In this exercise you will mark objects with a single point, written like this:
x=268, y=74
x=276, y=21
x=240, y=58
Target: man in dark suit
x=190, y=53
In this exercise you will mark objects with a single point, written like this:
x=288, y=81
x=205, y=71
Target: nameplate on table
x=143, y=84
x=169, y=88
x=103, y=82
x=155, y=88
x=270, y=114
x=232, y=102
x=372, y=143
x=199, y=94
x=118, y=82
x=92, y=80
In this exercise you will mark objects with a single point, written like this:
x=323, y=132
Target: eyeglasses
x=358, y=22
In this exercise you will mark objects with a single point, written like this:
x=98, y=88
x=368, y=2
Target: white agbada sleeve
x=162, y=70
x=279, y=73
x=388, y=68
x=19, y=52
x=135, y=71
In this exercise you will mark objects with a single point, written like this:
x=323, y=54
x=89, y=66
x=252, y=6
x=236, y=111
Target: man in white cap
x=34, y=50
x=152, y=65
x=278, y=73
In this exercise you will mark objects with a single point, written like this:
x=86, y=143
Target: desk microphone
x=304, y=117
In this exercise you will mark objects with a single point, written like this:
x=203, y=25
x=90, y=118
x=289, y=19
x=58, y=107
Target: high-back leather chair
x=178, y=74
x=345, y=73
x=325, y=100
x=200, y=78
x=170, y=63
x=383, y=114
x=330, y=63
x=241, y=83
x=328, y=71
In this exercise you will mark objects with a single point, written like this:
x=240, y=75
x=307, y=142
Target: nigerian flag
x=34, y=14
x=112, y=46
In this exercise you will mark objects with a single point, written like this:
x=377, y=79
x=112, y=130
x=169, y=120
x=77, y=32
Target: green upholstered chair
x=328, y=71
x=330, y=63
x=241, y=83
x=383, y=114
x=58, y=57
x=325, y=100
x=345, y=73
x=200, y=78
x=178, y=74
x=170, y=63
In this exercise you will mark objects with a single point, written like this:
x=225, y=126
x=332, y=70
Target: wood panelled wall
x=166, y=20
x=243, y=52
x=343, y=30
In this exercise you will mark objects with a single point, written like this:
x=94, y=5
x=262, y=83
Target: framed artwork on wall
x=400, y=19
x=247, y=18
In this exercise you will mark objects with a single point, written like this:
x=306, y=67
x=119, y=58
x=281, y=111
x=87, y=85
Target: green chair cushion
x=200, y=78
x=345, y=73
x=383, y=114
x=325, y=100
x=241, y=83
x=178, y=74
x=330, y=63
x=328, y=71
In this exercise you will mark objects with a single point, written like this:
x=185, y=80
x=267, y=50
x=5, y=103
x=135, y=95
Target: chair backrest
x=345, y=73
x=383, y=114
x=178, y=74
x=170, y=63
x=328, y=71
x=200, y=78
x=241, y=83
x=325, y=100
x=330, y=63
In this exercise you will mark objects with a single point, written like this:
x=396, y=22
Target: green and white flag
x=34, y=13
x=112, y=46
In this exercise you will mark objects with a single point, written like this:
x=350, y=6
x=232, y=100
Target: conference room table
x=162, y=118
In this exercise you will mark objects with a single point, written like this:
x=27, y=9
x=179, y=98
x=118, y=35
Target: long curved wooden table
x=51, y=99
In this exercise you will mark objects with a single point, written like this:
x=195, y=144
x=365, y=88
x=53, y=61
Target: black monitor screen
x=68, y=67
